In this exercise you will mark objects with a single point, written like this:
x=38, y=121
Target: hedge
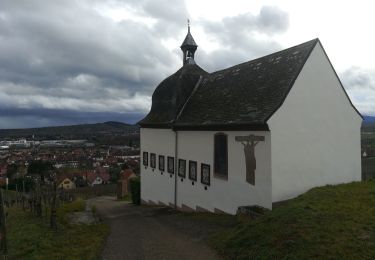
x=135, y=190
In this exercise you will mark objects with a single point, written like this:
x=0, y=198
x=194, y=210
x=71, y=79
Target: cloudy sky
x=81, y=61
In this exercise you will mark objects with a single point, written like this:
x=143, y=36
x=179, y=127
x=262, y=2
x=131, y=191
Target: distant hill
x=369, y=119
x=84, y=131
x=368, y=123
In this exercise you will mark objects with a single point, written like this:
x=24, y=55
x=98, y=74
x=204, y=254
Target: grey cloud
x=224, y=58
x=272, y=20
x=65, y=56
x=238, y=37
x=236, y=31
x=55, y=39
x=360, y=85
x=169, y=18
x=94, y=98
x=26, y=118
x=356, y=77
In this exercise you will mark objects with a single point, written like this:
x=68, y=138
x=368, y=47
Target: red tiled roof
x=125, y=174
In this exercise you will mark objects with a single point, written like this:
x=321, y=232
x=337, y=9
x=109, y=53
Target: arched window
x=221, y=155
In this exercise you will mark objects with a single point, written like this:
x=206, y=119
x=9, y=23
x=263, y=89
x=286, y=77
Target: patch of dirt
x=84, y=217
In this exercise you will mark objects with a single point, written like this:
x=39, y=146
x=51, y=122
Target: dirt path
x=149, y=233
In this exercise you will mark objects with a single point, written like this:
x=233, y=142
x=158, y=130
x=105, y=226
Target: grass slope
x=331, y=222
x=30, y=237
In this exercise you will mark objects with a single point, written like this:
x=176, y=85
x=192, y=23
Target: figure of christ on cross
x=249, y=142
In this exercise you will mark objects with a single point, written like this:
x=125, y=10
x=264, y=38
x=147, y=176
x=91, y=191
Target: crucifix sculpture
x=249, y=142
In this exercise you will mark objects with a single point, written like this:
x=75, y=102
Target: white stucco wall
x=225, y=195
x=315, y=134
x=157, y=187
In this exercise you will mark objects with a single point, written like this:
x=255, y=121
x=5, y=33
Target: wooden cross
x=249, y=142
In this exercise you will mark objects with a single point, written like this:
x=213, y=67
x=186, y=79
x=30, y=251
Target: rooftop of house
x=171, y=94
x=189, y=40
x=246, y=94
x=125, y=174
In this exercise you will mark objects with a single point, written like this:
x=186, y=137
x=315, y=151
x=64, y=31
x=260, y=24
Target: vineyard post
x=53, y=208
x=39, y=200
x=4, y=247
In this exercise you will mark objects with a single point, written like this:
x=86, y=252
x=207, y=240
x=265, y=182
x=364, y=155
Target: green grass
x=331, y=222
x=30, y=237
x=66, y=208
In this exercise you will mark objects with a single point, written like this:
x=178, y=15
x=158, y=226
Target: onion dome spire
x=188, y=47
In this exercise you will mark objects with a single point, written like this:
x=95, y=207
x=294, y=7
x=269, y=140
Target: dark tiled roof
x=171, y=95
x=189, y=40
x=245, y=94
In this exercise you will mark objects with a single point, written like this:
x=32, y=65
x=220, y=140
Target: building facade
x=256, y=133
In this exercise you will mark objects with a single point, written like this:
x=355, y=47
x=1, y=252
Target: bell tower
x=188, y=46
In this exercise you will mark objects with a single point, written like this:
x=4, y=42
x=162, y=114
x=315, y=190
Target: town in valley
x=71, y=163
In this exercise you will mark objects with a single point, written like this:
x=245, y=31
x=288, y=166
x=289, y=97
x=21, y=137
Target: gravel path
x=149, y=233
